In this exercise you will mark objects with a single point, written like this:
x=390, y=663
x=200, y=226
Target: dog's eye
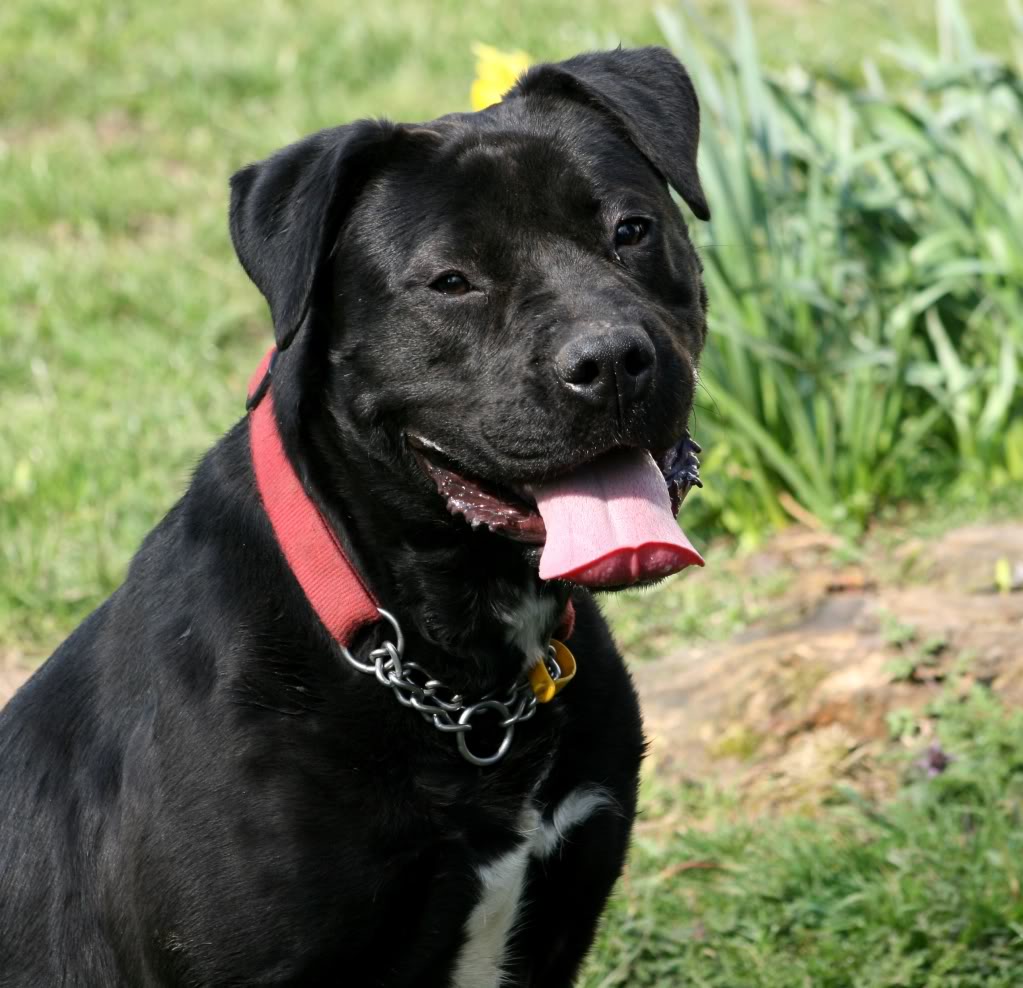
x=631, y=231
x=451, y=283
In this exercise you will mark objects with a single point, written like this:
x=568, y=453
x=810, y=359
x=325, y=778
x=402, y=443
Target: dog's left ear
x=286, y=212
x=648, y=92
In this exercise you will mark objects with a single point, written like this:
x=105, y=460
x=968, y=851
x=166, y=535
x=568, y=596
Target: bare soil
x=844, y=672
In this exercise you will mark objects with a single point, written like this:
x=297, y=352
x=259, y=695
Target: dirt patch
x=844, y=670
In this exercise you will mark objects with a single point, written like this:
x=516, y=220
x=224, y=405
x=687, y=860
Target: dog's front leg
x=566, y=894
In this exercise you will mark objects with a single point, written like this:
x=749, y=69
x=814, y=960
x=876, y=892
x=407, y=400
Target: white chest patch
x=528, y=622
x=492, y=919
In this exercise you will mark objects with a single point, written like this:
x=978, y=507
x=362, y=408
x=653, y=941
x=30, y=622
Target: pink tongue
x=609, y=523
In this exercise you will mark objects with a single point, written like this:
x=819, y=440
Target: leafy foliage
x=863, y=265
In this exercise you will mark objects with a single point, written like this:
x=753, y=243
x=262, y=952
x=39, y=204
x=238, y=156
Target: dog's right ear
x=286, y=212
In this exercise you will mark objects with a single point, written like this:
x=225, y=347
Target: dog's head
x=502, y=309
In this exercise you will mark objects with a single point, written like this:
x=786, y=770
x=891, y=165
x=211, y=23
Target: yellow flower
x=496, y=72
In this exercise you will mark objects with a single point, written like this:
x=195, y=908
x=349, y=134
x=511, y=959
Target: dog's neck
x=472, y=607
x=480, y=613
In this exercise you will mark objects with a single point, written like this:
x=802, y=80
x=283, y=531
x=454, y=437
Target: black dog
x=233, y=773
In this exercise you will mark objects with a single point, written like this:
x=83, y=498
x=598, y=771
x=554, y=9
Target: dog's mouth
x=608, y=523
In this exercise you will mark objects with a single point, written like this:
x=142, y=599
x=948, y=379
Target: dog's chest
x=502, y=882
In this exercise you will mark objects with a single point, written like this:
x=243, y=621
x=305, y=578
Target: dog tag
x=545, y=686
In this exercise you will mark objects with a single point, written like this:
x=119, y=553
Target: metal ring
x=398, y=646
x=551, y=662
x=467, y=715
x=400, y=643
x=369, y=667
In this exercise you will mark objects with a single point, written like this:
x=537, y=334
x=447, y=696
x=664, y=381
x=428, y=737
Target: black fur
x=196, y=789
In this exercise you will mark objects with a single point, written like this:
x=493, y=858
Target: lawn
x=128, y=328
x=923, y=893
x=128, y=332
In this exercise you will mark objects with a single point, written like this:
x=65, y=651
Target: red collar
x=330, y=582
x=332, y=585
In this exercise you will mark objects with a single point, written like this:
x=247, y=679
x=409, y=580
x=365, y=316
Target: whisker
x=709, y=395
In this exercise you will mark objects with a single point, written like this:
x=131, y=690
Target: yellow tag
x=544, y=688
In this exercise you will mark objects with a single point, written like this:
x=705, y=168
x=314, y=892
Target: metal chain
x=448, y=711
x=438, y=704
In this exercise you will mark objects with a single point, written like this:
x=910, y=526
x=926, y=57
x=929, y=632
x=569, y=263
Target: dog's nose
x=602, y=366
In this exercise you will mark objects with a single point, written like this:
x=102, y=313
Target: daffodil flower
x=496, y=73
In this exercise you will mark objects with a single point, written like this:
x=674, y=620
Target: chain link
x=439, y=705
x=449, y=712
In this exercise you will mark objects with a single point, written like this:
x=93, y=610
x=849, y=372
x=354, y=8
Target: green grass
x=924, y=892
x=128, y=330
x=694, y=608
x=127, y=327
